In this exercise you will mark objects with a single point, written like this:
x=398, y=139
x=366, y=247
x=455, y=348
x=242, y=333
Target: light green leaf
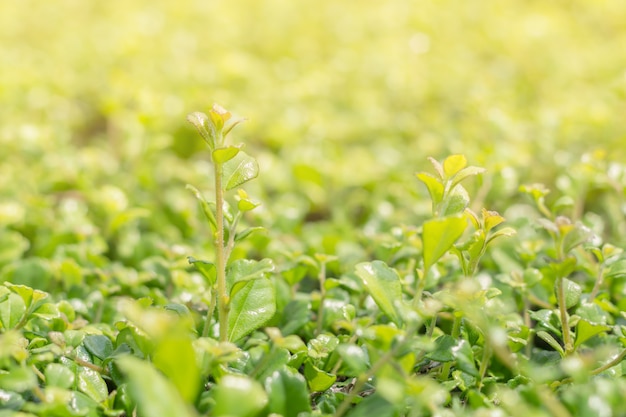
x=572, y=293
x=434, y=185
x=250, y=308
x=317, y=379
x=465, y=358
x=204, y=126
x=383, y=284
x=207, y=269
x=549, y=339
x=454, y=202
x=247, y=232
x=91, y=383
x=237, y=395
x=223, y=155
x=47, y=311
x=11, y=311
x=585, y=330
x=18, y=379
x=617, y=269
x=453, y=164
x=464, y=173
x=243, y=270
x=176, y=358
x=159, y=397
x=354, y=357
x=242, y=168
x=439, y=235
x=207, y=208
x=58, y=375
x=287, y=392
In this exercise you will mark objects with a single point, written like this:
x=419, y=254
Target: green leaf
x=237, y=395
x=47, y=311
x=585, y=330
x=317, y=379
x=158, y=397
x=354, y=357
x=247, y=232
x=91, y=383
x=19, y=379
x=243, y=270
x=204, y=126
x=454, y=202
x=549, y=339
x=572, y=293
x=11, y=311
x=443, y=349
x=464, y=173
x=99, y=346
x=617, y=269
x=207, y=208
x=453, y=164
x=58, y=375
x=176, y=358
x=383, y=284
x=223, y=155
x=439, y=235
x=250, y=308
x=287, y=392
x=374, y=405
x=207, y=269
x=465, y=358
x=241, y=169
x=434, y=186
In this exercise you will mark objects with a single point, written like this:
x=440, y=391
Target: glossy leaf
x=250, y=308
x=573, y=292
x=91, y=383
x=239, y=170
x=383, y=284
x=439, y=235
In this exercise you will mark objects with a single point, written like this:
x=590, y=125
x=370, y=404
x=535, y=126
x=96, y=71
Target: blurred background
x=344, y=101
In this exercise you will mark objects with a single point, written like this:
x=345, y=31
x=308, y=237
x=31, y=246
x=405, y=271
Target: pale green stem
x=220, y=262
x=598, y=283
x=209, y=316
x=567, y=337
x=483, y=364
x=320, y=310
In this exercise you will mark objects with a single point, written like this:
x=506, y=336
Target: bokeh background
x=344, y=100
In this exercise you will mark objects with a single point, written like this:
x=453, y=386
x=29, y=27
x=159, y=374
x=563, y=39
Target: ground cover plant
x=422, y=215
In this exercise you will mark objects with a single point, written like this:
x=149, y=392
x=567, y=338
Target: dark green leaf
x=98, y=345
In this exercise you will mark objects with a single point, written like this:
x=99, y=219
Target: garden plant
x=423, y=215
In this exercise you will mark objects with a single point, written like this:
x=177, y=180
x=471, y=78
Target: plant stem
x=320, y=310
x=456, y=331
x=209, y=315
x=560, y=296
x=483, y=364
x=598, y=283
x=220, y=262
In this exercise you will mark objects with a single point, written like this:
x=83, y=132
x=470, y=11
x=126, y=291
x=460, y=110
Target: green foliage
x=495, y=284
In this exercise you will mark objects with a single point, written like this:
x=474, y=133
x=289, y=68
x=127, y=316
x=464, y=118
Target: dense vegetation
x=151, y=265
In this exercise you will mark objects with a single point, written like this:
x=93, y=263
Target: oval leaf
x=383, y=284
x=237, y=395
x=250, y=308
x=439, y=236
x=223, y=155
x=288, y=394
x=242, y=168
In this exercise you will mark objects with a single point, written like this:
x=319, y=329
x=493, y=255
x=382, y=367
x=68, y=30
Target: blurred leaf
x=204, y=126
x=455, y=202
x=572, y=293
x=287, y=392
x=91, y=383
x=58, y=375
x=11, y=311
x=453, y=164
x=617, y=269
x=354, y=357
x=207, y=208
x=383, y=284
x=98, y=345
x=464, y=173
x=444, y=346
x=237, y=395
x=176, y=358
x=207, y=269
x=18, y=379
x=159, y=397
x=434, y=185
x=439, y=235
x=317, y=379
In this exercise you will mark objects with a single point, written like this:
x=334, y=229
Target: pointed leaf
x=207, y=269
x=250, y=308
x=317, y=379
x=585, y=330
x=434, y=185
x=159, y=397
x=438, y=167
x=549, y=339
x=383, y=284
x=247, y=232
x=243, y=270
x=207, y=208
x=439, y=235
x=242, y=168
x=204, y=126
x=466, y=172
